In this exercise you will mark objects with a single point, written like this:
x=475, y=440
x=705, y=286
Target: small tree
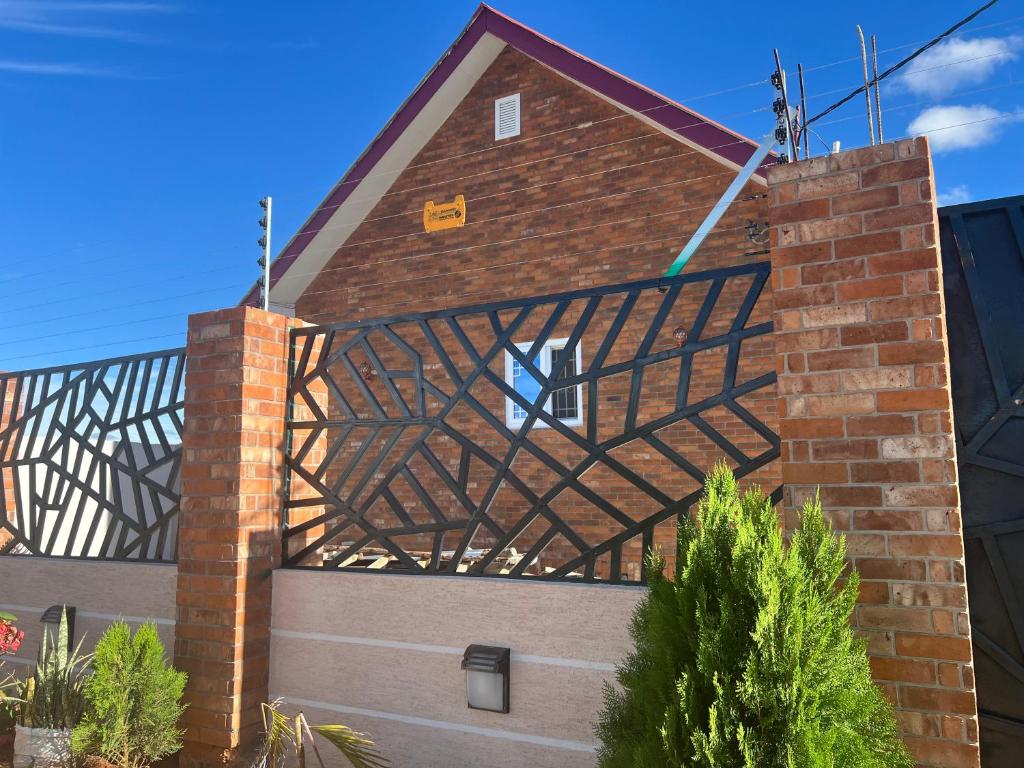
x=133, y=700
x=745, y=658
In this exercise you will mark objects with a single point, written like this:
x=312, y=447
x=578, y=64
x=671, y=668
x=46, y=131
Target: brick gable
x=585, y=195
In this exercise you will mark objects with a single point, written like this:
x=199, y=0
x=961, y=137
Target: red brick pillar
x=866, y=413
x=230, y=524
x=8, y=412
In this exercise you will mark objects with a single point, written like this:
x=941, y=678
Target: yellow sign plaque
x=444, y=215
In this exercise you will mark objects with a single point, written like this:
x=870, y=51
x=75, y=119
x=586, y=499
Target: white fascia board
x=350, y=214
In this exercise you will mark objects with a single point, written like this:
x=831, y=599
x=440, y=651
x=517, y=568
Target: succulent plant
x=51, y=697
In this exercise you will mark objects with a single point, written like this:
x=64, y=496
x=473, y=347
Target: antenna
x=878, y=90
x=803, y=112
x=264, y=260
x=867, y=84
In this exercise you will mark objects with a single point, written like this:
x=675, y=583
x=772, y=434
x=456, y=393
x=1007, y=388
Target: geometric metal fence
x=90, y=456
x=556, y=437
x=983, y=281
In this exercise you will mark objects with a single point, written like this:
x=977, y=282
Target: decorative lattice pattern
x=90, y=456
x=413, y=444
x=983, y=279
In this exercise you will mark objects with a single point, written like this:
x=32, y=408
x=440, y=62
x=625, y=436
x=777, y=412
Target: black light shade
x=487, y=677
x=52, y=616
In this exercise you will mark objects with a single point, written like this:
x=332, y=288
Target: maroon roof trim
x=674, y=117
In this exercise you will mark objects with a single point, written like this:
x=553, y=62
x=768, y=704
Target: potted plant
x=49, y=703
x=132, y=700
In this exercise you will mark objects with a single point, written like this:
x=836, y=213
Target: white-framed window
x=506, y=117
x=565, y=404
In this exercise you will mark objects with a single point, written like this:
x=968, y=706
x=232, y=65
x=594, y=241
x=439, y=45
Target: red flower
x=10, y=638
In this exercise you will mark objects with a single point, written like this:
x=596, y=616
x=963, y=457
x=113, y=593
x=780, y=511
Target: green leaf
x=356, y=747
x=282, y=735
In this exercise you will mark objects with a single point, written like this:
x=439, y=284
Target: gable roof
x=431, y=103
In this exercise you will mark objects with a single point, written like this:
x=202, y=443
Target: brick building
x=476, y=367
x=570, y=190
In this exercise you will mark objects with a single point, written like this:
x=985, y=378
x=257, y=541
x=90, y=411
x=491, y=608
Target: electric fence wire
x=903, y=62
x=672, y=104
x=669, y=238
x=934, y=41
x=89, y=347
x=923, y=102
x=510, y=144
x=536, y=211
x=418, y=211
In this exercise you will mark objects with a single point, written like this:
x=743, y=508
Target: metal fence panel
x=90, y=456
x=546, y=438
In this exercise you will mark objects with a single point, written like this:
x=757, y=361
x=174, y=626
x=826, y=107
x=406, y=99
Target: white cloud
x=54, y=68
x=955, y=196
x=957, y=126
x=70, y=30
x=958, y=62
x=104, y=7
x=62, y=17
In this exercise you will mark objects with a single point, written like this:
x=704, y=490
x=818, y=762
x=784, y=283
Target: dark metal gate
x=553, y=437
x=983, y=268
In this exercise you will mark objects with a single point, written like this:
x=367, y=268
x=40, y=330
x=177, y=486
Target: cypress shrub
x=132, y=700
x=744, y=657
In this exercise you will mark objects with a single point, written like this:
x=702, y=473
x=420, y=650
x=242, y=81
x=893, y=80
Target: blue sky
x=136, y=137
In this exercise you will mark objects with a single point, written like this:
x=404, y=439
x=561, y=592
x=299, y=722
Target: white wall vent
x=506, y=117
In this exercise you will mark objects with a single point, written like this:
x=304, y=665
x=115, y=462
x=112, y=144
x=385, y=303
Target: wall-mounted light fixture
x=366, y=371
x=487, y=677
x=51, y=617
x=680, y=335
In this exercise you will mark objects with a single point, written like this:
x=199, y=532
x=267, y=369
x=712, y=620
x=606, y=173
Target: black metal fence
x=545, y=438
x=983, y=281
x=90, y=456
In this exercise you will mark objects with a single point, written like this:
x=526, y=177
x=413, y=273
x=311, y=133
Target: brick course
x=229, y=525
x=8, y=410
x=866, y=415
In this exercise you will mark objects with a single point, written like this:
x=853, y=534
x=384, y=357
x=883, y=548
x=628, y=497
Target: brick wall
x=586, y=195
x=866, y=415
x=8, y=411
x=229, y=532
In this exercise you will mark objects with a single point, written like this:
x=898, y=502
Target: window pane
x=525, y=384
x=564, y=404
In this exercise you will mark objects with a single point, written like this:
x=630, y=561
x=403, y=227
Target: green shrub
x=133, y=700
x=745, y=657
